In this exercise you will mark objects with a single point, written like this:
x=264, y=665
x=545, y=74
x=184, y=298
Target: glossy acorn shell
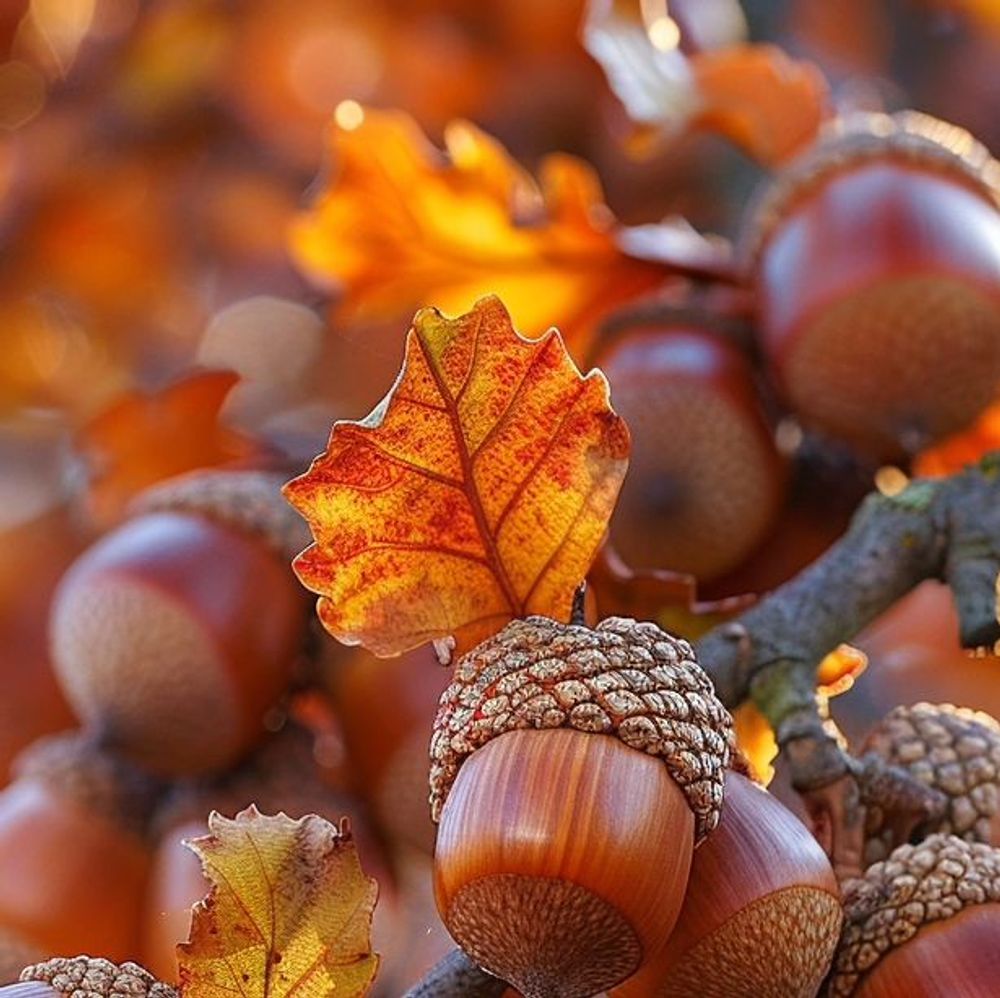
x=959, y=957
x=761, y=916
x=561, y=859
x=705, y=478
x=879, y=303
x=174, y=635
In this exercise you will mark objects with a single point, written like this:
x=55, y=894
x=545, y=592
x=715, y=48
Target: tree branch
x=456, y=976
x=947, y=529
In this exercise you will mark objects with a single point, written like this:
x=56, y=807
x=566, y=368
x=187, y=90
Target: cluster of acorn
x=183, y=643
x=872, y=324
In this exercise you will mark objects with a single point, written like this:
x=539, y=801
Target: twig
x=946, y=529
x=456, y=976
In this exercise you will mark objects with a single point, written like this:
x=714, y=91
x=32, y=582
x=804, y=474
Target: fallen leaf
x=142, y=439
x=765, y=102
x=476, y=492
x=962, y=449
x=397, y=224
x=289, y=912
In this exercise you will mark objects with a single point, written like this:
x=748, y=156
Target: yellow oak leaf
x=476, y=492
x=289, y=912
x=397, y=224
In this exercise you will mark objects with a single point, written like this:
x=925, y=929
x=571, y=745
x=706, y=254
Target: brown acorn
x=952, y=749
x=922, y=924
x=761, y=916
x=94, y=977
x=876, y=258
x=573, y=769
x=176, y=633
x=72, y=830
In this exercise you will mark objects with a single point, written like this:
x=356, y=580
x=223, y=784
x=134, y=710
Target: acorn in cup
x=951, y=749
x=573, y=771
x=876, y=260
x=922, y=924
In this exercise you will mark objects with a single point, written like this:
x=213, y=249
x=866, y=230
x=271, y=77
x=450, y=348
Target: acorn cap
x=861, y=137
x=280, y=775
x=248, y=501
x=952, y=749
x=916, y=886
x=95, y=977
x=100, y=782
x=622, y=678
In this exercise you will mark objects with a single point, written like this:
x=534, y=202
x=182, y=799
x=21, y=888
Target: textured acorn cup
x=94, y=977
x=761, y=917
x=922, y=924
x=876, y=258
x=72, y=831
x=705, y=478
x=952, y=749
x=562, y=854
x=175, y=633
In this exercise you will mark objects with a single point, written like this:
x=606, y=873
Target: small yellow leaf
x=289, y=912
x=476, y=492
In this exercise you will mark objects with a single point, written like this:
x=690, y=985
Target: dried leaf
x=289, y=911
x=142, y=439
x=961, y=449
x=669, y=598
x=397, y=225
x=768, y=104
x=476, y=492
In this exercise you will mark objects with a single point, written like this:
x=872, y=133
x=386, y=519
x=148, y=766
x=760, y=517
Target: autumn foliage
x=476, y=492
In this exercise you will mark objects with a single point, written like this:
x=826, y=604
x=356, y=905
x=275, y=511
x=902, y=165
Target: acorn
x=386, y=737
x=706, y=480
x=922, y=924
x=572, y=772
x=93, y=977
x=876, y=259
x=177, y=632
x=72, y=830
x=761, y=917
x=952, y=749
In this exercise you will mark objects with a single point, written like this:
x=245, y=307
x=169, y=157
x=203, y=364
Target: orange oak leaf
x=767, y=103
x=398, y=224
x=476, y=492
x=289, y=911
x=142, y=439
x=962, y=449
x=669, y=598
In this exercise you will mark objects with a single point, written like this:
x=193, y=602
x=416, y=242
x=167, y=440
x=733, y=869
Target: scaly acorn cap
x=98, y=781
x=951, y=749
x=624, y=678
x=247, y=501
x=853, y=139
x=916, y=886
x=95, y=977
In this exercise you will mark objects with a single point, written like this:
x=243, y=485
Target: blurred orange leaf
x=669, y=598
x=838, y=670
x=768, y=104
x=142, y=439
x=289, y=911
x=961, y=449
x=476, y=492
x=398, y=224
